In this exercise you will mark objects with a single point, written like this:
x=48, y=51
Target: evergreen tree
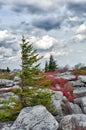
x=46, y=67
x=52, y=64
x=32, y=88
x=33, y=91
x=8, y=70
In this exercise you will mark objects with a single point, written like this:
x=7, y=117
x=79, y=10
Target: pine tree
x=52, y=64
x=32, y=88
x=8, y=70
x=33, y=91
x=46, y=67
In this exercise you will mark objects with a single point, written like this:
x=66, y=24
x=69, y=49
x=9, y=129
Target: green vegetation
x=46, y=67
x=32, y=87
x=6, y=116
x=8, y=70
x=81, y=71
x=7, y=76
x=33, y=91
x=5, y=70
x=51, y=66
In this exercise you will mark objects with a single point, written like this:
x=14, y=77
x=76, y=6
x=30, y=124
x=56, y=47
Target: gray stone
x=77, y=100
x=66, y=75
x=82, y=78
x=5, y=125
x=57, y=101
x=3, y=90
x=57, y=86
x=6, y=128
x=81, y=92
x=84, y=101
x=74, y=108
x=77, y=83
x=73, y=122
x=83, y=104
x=16, y=80
x=57, y=96
x=35, y=118
x=5, y=82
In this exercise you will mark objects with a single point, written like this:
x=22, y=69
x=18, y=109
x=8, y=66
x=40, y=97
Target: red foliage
x=66, y=87
x=65, y=93
x=51, y=76
x=61, y=82
x=54, y=81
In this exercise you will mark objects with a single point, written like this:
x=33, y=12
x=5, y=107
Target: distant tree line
x=5, y=70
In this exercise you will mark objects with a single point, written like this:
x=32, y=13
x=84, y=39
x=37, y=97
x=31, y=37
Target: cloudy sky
x=56, y=27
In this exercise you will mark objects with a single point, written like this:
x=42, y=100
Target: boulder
x=34, y=118
x=5, y=82
x=77, y=83
x=82, y=78
x=10, y=89
x=74, y=108
x=66, y=75
x=56, y=102
x=73, y=122
x=83, y=104
x=80, y=92
x=70, y=108
x=77, y=100
x=16, y=80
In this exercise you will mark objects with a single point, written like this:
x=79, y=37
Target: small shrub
x=6, y=116
x=7, y=76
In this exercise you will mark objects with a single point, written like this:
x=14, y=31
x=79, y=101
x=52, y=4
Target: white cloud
x=1, y=57
x=80, y=37
x=6, y=35
x=74, y=19
x=46, y=55
x=78, y=1
x=56, y=41
x=9, y=40
x=44, y=42
x=47, y=42
x=5, y=51
x=42, y=4
x=81, y=29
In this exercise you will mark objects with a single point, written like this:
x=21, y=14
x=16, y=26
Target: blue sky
x=56, y=27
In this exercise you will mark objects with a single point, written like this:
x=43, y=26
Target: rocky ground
x=68, y=115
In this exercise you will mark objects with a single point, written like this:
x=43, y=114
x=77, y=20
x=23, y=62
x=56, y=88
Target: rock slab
x=34, y=118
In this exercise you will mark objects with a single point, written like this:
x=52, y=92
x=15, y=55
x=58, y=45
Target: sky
x=55, y=27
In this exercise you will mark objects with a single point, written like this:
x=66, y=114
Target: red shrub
x=65, y=93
